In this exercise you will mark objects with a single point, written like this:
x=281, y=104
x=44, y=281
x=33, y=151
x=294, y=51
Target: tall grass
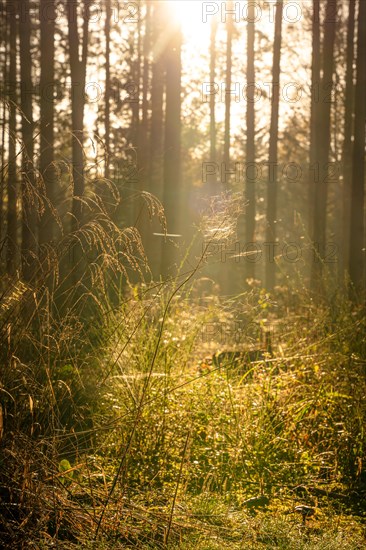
x=73, y=392
x=119, y=431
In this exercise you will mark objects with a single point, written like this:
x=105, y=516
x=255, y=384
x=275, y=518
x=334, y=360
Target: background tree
x=4, y=48
x=144, y=103
x=250, y=195
x=229, y=39
x=172, y=145
x=273, y=157
x=213, y=140
x=11, y=236
x=156, y=145
x=29, y=193
x=78, y=76
x=348, y=133
x=47, y=79
x=314, y=109
x=321, y=167
x=107, y=112
x=357, y=253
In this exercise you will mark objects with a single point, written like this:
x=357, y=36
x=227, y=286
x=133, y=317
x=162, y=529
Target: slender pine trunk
x=357, y=253
x=11, y=237
x=321, y=167
x=271, y=232
x=249, y=192
x=29, y=196
x=348, y=133
x=47, y=168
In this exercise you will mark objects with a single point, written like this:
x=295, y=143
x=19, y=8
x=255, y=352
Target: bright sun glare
x=189, y=15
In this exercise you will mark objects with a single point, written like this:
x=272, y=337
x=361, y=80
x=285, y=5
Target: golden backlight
x=189, y=14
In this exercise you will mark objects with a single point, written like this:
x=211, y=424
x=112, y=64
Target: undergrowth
x=118, y=430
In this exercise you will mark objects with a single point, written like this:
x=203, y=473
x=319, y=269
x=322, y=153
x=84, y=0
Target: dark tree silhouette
x=323, y=146
x=11, y=239
x=212, y=95
x=155, y=169
x=229, y=40
x=357, y=254
x=314, y=109
x=348, y=133
x=270, y=278
x=172, y=144
x=78, y=76
x=250, y=194
x=107, y=109
x=46, y=162
x=144, y=125
x=29, y=195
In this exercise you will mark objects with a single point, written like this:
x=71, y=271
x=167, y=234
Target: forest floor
x=195, y=426
x=230, y=529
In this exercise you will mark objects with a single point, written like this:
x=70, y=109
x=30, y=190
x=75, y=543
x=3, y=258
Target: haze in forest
x=182, y=274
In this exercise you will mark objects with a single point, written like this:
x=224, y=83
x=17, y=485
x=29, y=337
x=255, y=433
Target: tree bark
x=270, y=275
x=78, y=75
x=357, y=254
x=136, y=81
x=229, y=39
x=157, y=114
x=348, y=133
x=4, y=44
x=107, y=109
x=323, y=147
x=212, y=95
x=172, y=153
x=250, y=143
x=314, y=111
x=145, y=88
x=47, y=168
x=156, y=130
x=143, y=134
x=11, y=249
x=29, y=200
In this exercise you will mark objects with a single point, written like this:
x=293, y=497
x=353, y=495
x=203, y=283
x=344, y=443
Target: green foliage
x=130, y=391
x=64, y=467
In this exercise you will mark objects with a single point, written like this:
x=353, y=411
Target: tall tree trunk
x=228, y=279
x=229, y=40
x=323, y=147
x=136, y=79
x=145, y=88
x=4, y=116
x=156, y=132
x=348, y=133
x=107, y=109
x=157, y=93
x=78, y=75
x=249, y=191
x=314, y=111
x=357, y=254
x=213, y=157
x=29, y=201
x=47, y=169
x=172, y=145
x=4, y=45
x=135, y=183
x=270, y=279
x=143, y=140
x=138, y=132
x=11, y=249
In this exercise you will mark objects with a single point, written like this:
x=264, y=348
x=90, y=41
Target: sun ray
x=189, y=15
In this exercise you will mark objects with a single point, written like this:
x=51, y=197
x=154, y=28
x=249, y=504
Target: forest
x=182, y=274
